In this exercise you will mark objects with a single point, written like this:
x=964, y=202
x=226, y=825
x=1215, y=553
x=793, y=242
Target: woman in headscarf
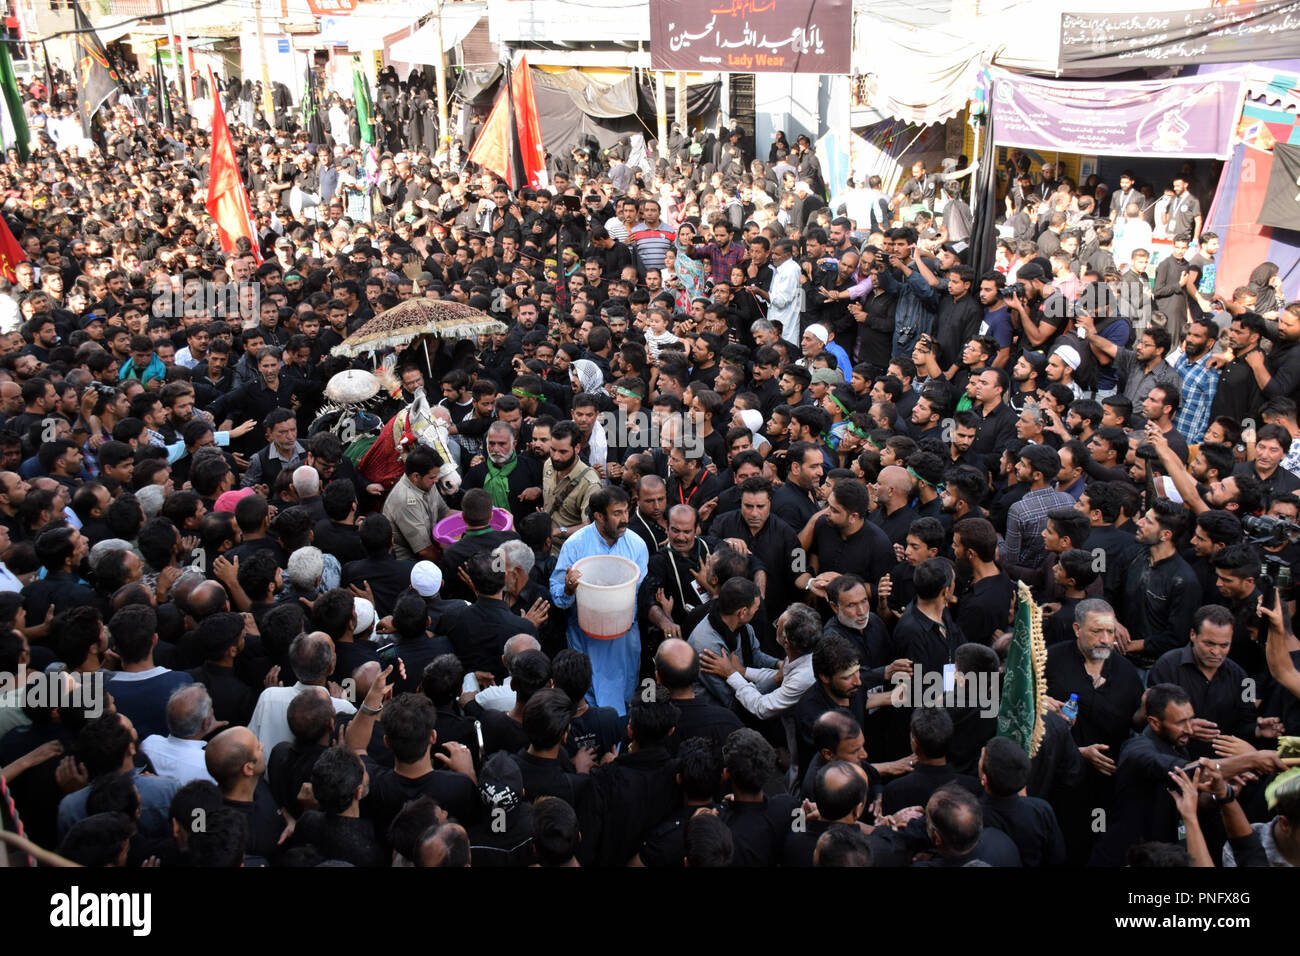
x=690, y=272
x=1266, y=282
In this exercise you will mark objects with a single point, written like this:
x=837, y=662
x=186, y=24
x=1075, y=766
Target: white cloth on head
x=820, y=331
x=1070, y=356
x=426, y=578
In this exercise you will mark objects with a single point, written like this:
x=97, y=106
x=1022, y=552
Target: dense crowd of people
x=833, y=450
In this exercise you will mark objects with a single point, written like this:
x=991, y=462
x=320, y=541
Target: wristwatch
x=1231, y=797
x=371, y=711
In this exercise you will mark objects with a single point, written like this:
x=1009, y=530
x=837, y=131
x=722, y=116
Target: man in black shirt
x=931, y=735
x=636, y=790
x=236, y=760
x=926, y=634
x=699, y=773
x=409, y=722
x=1029, y=821
x=1143, y=809
x=758, y=823
x=546, y=769
x=1109, y=691
x=796, y=500
x=1216, y=686
x=677, y=669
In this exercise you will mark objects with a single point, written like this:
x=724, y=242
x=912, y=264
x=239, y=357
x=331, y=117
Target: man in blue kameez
x=614, y=663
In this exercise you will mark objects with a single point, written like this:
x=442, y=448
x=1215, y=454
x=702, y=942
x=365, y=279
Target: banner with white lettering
x=1219, y=34
x=751, y=36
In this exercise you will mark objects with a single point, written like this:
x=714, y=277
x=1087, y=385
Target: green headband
x=912, y=471
x=844, y=408
x=860, y=433
x=626, y=392
x=526, y=394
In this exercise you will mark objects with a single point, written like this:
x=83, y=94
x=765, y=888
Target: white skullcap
x=819, y=331
x=365, y=614
x=426, y=578
x=752, y=418
x=1070, y=356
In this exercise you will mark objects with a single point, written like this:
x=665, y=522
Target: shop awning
x=457, y=20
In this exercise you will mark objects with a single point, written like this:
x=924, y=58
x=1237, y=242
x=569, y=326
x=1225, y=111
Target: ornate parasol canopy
x=403, y=324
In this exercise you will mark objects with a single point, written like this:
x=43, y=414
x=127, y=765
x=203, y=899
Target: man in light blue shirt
x=614, y=663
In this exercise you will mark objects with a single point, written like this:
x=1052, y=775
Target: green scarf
x=497, y=483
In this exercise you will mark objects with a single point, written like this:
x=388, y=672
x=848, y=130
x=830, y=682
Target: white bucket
x=606, y=596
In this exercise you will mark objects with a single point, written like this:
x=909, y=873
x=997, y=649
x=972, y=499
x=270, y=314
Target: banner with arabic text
x=1186, y=118
x=751, y=36
x=1268, y=30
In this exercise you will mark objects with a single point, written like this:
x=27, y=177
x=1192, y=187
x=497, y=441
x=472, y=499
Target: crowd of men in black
x=839, y=491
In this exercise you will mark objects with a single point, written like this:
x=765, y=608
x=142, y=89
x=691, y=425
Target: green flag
x=13, y=123
x=361, y=96
x=1020, y=711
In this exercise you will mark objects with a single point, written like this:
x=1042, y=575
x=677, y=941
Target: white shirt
x=177, y=757
x=270, y=723
x=786, y=300
x=502, y=696
x=9, y=581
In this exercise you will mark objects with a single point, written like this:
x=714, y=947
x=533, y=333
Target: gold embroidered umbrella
x=403, y=324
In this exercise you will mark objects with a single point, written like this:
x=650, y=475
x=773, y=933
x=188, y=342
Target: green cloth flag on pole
x=13, y=121
x=1020, y=714
x=361, y=97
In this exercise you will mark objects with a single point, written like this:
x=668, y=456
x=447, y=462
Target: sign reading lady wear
x=751, y=36
x=1186, y=119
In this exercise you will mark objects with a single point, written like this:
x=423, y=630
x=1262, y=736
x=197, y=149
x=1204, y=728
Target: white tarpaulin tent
x=372, y=26
x=457, y=20
x=921, y=59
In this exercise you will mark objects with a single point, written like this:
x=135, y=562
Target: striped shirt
x=1200, y=383
x=650, y=246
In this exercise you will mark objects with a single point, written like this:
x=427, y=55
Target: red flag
x=528, y=125
x=10, y=252
x=227, y=201
x=510, y=144
x=492, y=148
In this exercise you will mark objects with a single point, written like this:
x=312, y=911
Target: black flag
x=1281, y=207
x=94, y=77
x=160, y=79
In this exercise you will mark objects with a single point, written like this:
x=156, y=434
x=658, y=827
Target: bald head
x=447, y=844
x=517, y=645
x=312, y=657
x=185, y=586
x=364, y=676
x=206, y=598
x=232, y=756
x=677, y=666
x=650, y=483
x=896, y=480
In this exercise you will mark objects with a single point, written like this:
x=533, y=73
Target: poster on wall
x=751, y=36
x=1189, y=119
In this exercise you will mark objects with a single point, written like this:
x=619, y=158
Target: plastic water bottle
x=1070, y=709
